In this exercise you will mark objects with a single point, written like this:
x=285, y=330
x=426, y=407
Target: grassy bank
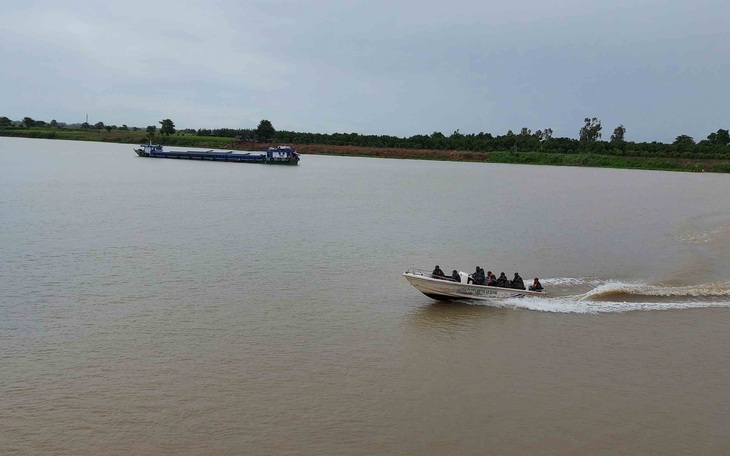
x=532, y=158
x=125, y=137
x=514, y=157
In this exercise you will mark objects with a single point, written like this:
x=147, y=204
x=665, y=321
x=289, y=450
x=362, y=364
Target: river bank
x=513, y=157
x=527, y=158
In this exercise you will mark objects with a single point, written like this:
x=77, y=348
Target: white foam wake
x=608, y=289
x=572, y=281
x=567, y=305
x=617, y=296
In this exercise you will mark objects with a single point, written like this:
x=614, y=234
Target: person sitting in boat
x=517, y=282
x=471, y=277
x=455, y=276
x=536, y=285
x=503, y=281
x=479, y=277
x=491, y=279
x=437, y=272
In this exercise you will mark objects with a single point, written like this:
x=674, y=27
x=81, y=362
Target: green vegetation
x=684, y=154
x=591, y=131
x=265, y=131
x=116, y=136
x=167, y=127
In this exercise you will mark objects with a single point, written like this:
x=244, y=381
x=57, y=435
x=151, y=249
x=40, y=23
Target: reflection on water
x=450, y=317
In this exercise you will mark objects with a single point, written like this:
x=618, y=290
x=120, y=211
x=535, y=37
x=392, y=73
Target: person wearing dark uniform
x=517, y=282
x=437, y=272
x=503, y=281
x=479, y=276
x=455, y=276
x=536, y=285
x=474, y=276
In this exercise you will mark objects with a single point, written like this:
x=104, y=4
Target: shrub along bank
x=596, y=155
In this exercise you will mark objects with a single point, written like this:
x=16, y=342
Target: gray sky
x=660, y=68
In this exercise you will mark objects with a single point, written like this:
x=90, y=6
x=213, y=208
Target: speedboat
x=446, y=288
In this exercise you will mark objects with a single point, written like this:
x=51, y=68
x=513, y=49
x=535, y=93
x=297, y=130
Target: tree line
x=716, y=145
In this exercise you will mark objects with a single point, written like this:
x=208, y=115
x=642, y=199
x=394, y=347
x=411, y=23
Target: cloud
x=373, y=67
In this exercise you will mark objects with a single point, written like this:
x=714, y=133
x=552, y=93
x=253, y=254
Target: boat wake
x=593, y=296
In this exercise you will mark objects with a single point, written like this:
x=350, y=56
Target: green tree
x=684, y=144
x=151, y=130
x=265, y=131
x=5, y=122
x=545, y=134
x=591, y=131
x=721, y=137
x=684, y=140
x=618, y=134
x=99, y=125
x=85, y=125
x=167, y=127
x=54, y=124
x=108, y=128
x=28, y=122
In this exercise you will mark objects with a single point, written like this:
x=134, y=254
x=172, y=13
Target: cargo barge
x=279, y=155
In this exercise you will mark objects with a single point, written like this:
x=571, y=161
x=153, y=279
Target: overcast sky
x=660, y=68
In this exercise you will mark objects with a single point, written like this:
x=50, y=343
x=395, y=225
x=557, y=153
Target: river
x=152, y=306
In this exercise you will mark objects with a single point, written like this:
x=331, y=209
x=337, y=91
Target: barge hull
x=273, y=156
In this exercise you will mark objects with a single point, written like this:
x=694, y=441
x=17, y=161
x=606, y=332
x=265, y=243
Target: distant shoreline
x=509, y=157
x=524, y=158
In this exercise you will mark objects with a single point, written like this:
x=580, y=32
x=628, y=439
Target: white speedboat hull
x=444, y=289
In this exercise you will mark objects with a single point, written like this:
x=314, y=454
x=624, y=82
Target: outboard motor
x=464, y=277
